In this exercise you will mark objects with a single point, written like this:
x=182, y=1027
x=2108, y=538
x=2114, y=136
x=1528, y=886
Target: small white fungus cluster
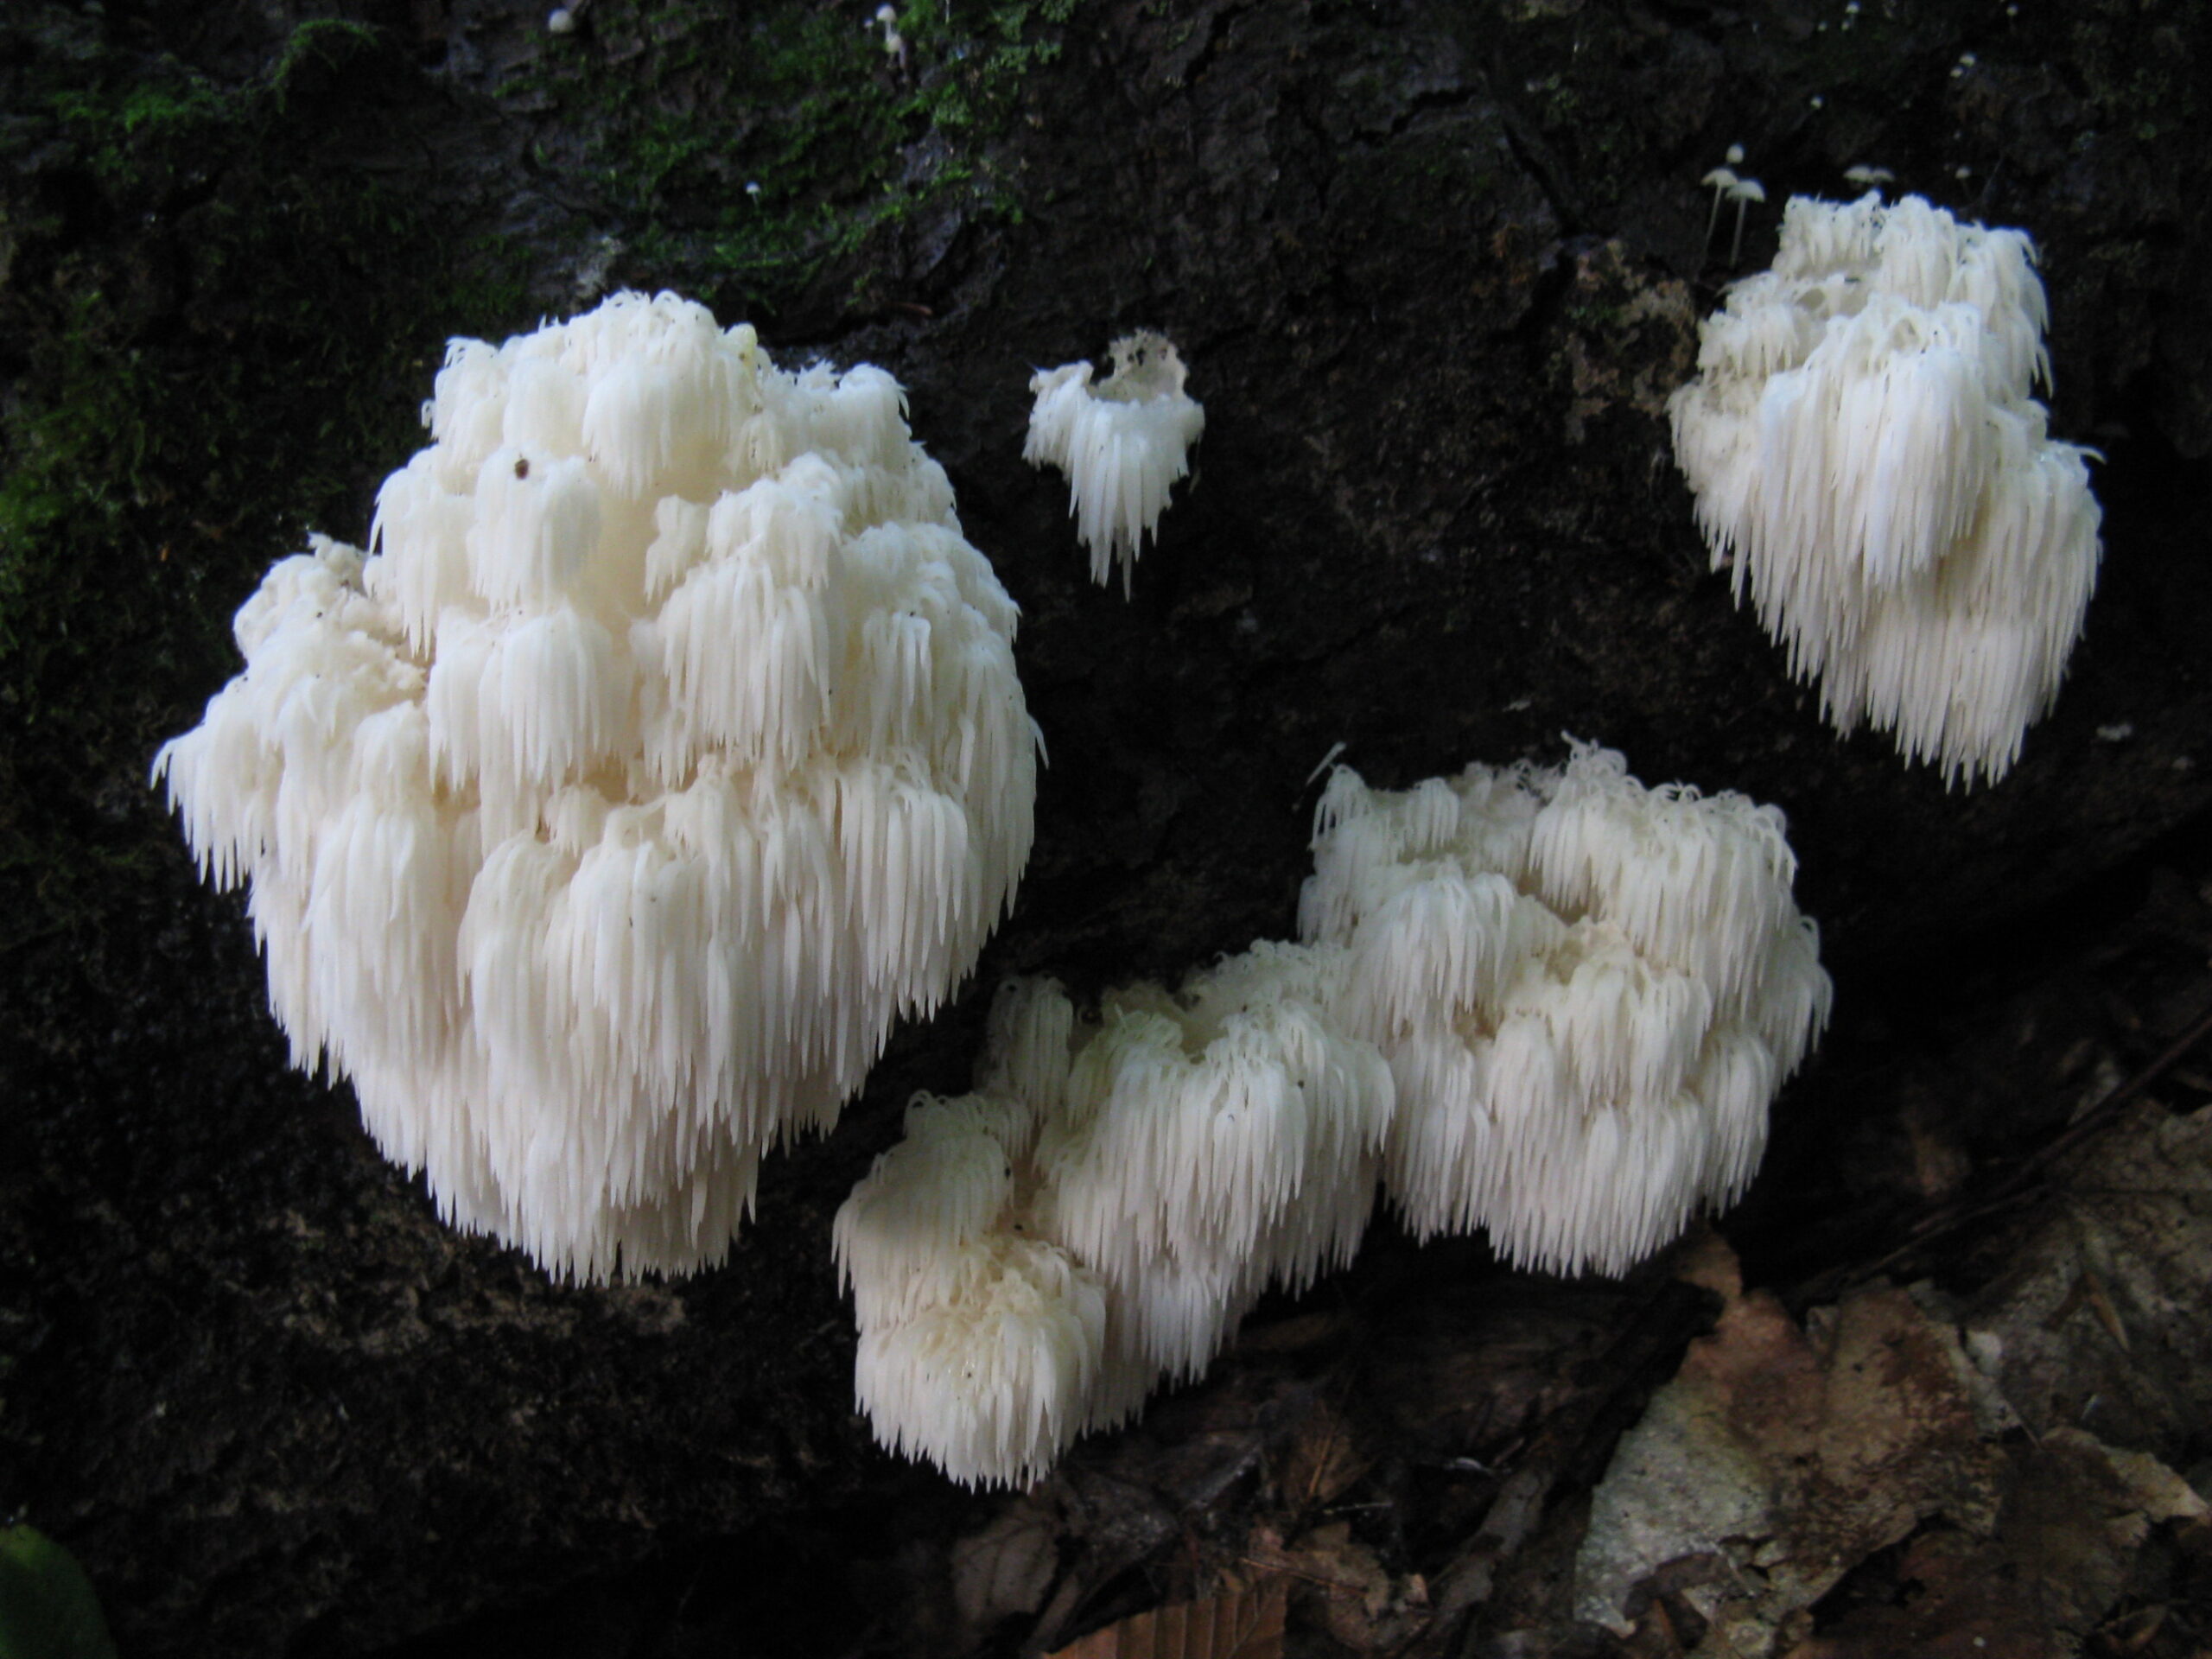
x=1862, y=440
x=1588, y=992
x=601, y=824
x=1107, y=1205
x=1121, y=443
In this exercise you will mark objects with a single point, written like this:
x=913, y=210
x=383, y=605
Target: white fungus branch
x=600, y=824
x=1106, y=1207
x=1587, y=991
x=1863, y=445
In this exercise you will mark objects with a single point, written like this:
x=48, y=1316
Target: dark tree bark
x=1435, y=268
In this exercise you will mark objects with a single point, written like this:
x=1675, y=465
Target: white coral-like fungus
x=1121, y=443
x=1551, y=1003
x=1861, y=440
x=1107, y=1207
x=601, y=823
x=1587, y=991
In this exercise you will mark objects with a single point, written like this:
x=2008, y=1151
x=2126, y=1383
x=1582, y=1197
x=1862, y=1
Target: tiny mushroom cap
x=1735, y=155
x=1869, y=175
x=895, y=43
x=1744, y=191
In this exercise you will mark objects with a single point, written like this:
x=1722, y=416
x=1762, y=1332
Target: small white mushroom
x=1745, y=191
x=1107, y=1205
x=1722, y=180
x=895, y=43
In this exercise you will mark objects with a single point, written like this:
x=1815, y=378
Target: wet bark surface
x=1435, y=269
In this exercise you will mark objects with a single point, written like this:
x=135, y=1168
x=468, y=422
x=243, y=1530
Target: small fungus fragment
x=1121, y=443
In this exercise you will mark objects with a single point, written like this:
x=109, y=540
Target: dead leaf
x=1783, y=1457
x=1321, y=1464
x=1006, y=1568
x=1240, y=1625
x=2131, y=1231
x=1344, y=1584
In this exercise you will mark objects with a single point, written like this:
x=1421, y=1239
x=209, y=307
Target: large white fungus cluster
x=1107, y=1205
x=1588, y=992
x=1861, y=439
x=1121, y=443
x=601, y=821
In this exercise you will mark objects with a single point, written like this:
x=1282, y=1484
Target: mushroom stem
x=1746, y=191
x=1721, y=180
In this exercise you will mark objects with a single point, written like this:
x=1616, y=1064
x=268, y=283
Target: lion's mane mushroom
x=1862, y=443
x=1107, y=1207
x=1587, y=991
x=600, y=824
x=1551, y=1003
x=1121, y=443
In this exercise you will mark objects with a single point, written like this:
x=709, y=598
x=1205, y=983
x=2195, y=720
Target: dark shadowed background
x=1435, y=269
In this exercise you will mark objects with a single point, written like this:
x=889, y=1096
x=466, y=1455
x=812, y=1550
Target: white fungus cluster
x=1106, y=1207
x=1121, y=443
x=601, y=821
x=1550, y=1002
x=1862, y=440
x=1587, y=991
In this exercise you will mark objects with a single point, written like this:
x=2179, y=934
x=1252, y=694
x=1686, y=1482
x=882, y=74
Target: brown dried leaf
x=1785, y=1457
x=2075, y=1513
x=1239, y=1624
x=1343, y=1584
x=1006, y=1568
x=1321, y=1464
x=2098, y=1319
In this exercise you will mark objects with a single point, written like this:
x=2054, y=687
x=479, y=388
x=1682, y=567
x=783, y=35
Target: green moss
x=218, y=344
x=750, y=162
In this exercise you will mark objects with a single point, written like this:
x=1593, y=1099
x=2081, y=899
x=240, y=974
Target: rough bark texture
x=1435, y=268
